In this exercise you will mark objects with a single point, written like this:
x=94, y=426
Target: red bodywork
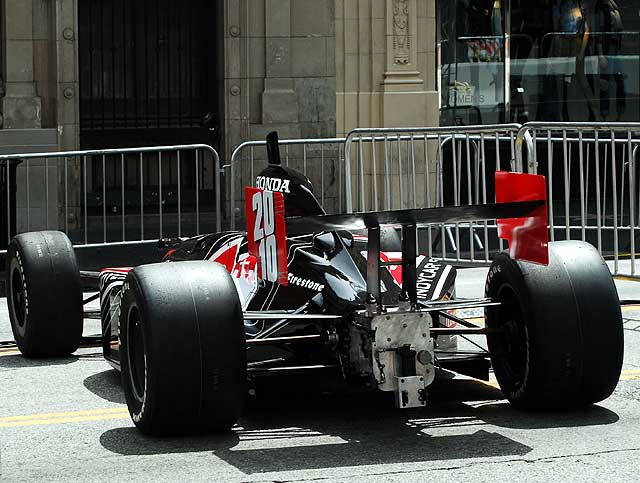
x=266, y=233
x=528, y=237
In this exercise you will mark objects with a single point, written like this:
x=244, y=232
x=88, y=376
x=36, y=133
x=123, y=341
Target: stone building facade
x=306, y=68
x=279, y=69
x=39, y=73
x=385, y=64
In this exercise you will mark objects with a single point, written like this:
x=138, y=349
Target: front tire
x=183, y=352
x=562, y=341
x=44, y=294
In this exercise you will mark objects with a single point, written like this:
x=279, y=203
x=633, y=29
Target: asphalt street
x=65, y=420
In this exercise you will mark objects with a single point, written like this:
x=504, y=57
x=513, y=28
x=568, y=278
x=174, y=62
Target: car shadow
x=504, y=415
x=296, y=430
x=106, y=384
x=17, y=361
x=302, y=438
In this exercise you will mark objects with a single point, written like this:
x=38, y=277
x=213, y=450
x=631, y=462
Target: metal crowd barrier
x=590, y=167
x=320, y=159
x=74, y=190
x=396, y=168
x=593, y=192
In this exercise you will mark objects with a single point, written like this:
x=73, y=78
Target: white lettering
x=305, y=283
x=273, y=184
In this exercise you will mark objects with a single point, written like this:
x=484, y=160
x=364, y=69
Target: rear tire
x=183, y=352
x=44, y=294
x=562, y=345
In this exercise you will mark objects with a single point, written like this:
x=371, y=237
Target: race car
x=341, y=296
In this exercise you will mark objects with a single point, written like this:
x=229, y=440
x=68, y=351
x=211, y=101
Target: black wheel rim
x=511, y=344
x=136, y=354
x=18, y=298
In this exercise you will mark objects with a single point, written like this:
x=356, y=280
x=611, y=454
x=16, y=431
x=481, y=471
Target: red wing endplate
x=266, y=233
x=528, y=237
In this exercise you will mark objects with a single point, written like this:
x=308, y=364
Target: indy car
x=346, y=296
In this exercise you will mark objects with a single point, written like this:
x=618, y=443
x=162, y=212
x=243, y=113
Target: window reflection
x=569, y=60
x=581, y=63
x=472, y=61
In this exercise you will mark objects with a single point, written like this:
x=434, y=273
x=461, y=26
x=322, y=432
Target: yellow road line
x=123, y=413
x=84, y=412
x=630, y=378
x=629, y=308
x=476, y=320
x=626, y=375
x=633, y=372
x=627, y=278
x=77, y=419
x=64, y=417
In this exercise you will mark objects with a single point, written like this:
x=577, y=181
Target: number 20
x=264, y=234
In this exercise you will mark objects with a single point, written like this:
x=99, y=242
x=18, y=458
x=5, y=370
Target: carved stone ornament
x=401, y=39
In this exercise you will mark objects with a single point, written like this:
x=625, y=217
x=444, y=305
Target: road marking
x=82, y=412
x=626, y=375
x=9, y=352
x=627, y=278
x=65, y=417
x=123, y=413
x=64, y=420
x=629, y=308
x=630, y=375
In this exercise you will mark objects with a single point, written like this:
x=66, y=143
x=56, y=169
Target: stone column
x=279, y=100
x=405, y=99
x=386, y=64
x=21, y=106
x=401, y=39
x=68, y=108
x=67, y=77
x=385, y=71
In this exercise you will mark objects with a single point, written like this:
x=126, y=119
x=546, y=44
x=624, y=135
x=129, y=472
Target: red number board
x=266, y=233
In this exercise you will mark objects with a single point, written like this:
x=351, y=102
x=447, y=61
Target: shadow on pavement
x=18, y=361
x=294, y=431
x=506, y=416
x=130, y=441
x=106, y=385
x=289, y=430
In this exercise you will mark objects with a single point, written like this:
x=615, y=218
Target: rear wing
x=520, y=211
x=300, y=225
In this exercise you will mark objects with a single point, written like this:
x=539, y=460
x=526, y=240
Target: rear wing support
x=373, y=269
x=409, y=270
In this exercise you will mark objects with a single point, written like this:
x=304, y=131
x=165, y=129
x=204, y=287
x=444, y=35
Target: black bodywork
x=326, y=277
x=327, y=274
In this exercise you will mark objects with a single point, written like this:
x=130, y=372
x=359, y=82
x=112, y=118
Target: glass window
x=575, y=60
x=472, y=61
x=569, y=60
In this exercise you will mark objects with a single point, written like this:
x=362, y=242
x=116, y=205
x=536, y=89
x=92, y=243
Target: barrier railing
x=396, y=168
x=320, y=159
x=593, y=190
x=94, y=195
x=121, y=195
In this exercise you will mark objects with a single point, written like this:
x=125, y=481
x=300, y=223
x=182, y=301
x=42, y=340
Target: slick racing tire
x=44, y=294
x=183, y=352
x=561, y=344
